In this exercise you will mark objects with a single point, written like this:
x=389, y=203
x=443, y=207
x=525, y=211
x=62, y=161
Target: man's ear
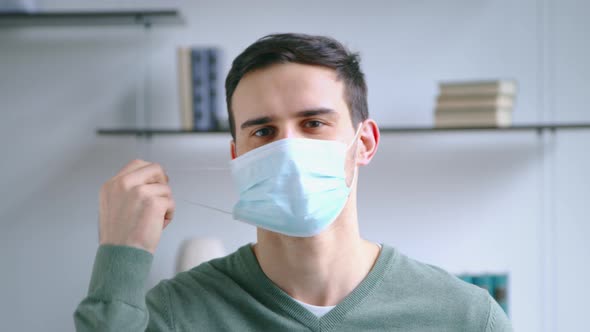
x=233, y=150
x=369, y=141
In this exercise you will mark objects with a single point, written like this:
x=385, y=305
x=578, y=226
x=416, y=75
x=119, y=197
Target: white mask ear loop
x=356, y=136
x=355, y=140
x=206, y=206
x=190, y=170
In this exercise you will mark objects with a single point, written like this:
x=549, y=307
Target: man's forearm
x=116, y=296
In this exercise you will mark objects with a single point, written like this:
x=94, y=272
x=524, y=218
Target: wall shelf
x=91, y=18
x=396, y=130
x=153, y=132
x=520, y=127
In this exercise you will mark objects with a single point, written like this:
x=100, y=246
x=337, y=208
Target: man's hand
x=135, y=206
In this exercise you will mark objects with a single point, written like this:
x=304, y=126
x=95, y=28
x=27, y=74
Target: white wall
x=468, y=202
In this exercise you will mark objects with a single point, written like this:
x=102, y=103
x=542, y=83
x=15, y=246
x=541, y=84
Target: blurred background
x=507, y=202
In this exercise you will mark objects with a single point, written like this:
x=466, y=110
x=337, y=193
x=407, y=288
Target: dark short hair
x=304, y=49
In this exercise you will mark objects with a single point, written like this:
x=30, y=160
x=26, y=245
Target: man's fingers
x=149, y=180
x=169, y=213
x=164, y=199
x=153, y=190
x=148, y=174
x=152, y=173
x=165, y=209
x=132, y=165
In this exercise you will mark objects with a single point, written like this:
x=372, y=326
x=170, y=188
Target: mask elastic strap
x=206, y=206
x=355, y=140
x=354, y=176
x=196, y=169
x=189, y=170
x=356, y=136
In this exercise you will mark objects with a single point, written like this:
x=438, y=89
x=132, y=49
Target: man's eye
x=313, y=124
x=263, y=132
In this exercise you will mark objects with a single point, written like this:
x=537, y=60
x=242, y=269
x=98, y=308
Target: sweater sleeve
x=497, y=319
x=116, y=299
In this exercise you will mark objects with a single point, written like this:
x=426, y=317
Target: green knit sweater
x=234, y=294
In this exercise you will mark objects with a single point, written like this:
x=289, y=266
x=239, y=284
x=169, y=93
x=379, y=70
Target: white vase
x=195, y=251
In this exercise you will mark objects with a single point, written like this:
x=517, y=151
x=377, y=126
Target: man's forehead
x=288, y=88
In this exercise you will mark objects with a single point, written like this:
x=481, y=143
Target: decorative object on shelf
x=495, y=284
x=198, y=86
x=501, y=291
x=195, y=251
x=18, y=6
x=475, y=103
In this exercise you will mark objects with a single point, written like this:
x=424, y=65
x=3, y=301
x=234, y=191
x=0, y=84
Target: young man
x=300, y=128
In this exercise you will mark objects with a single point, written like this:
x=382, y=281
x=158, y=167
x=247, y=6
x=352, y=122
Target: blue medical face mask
x=294, y=186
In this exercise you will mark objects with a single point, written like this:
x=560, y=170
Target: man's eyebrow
x=256, y=122
x=301, y=114
x=316, y=111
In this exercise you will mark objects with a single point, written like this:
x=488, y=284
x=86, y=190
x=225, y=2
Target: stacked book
x=198, y=86
x=475, y=104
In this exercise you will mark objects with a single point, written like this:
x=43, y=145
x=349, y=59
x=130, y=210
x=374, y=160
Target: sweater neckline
x=277, y=299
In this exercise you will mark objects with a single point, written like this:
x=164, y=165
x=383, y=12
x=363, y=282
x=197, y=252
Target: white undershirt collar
x=318, y=310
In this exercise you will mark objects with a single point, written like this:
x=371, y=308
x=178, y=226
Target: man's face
x=289, y=101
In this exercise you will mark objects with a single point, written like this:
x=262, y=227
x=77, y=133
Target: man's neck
x=320, y=270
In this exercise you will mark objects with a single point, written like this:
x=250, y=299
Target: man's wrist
x=120, y=273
